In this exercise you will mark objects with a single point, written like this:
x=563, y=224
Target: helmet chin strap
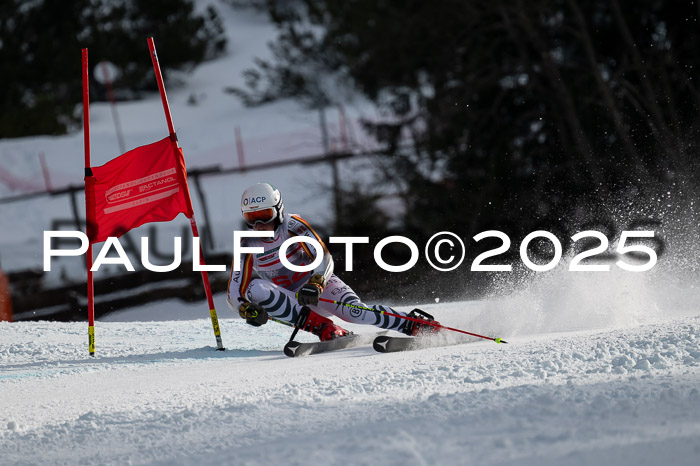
x=280, y=213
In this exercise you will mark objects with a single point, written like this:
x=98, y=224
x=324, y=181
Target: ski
x=295, y=349
x=387, y=344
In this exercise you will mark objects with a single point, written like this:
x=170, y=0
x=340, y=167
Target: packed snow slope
x=158, y=393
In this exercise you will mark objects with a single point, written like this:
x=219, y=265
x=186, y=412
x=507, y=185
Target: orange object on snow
x=5, y=298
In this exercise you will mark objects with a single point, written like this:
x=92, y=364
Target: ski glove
x=253, y=313
x=308, y=294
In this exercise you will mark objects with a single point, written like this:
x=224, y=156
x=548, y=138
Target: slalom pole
x=421, y=321
x=88, y=172
x=193, y=223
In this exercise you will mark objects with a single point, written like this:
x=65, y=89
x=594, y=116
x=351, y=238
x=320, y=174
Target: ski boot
x=320, y=326
x=414, y=328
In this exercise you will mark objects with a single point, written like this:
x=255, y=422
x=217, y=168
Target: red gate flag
x=146, y=184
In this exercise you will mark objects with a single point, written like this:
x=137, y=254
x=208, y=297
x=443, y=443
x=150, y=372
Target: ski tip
x=380, y=343
x=290, y=349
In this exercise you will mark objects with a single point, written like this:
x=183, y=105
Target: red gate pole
x=88, y=172
x=193, y=223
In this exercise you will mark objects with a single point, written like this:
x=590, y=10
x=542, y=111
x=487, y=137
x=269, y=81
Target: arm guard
x=239, y=281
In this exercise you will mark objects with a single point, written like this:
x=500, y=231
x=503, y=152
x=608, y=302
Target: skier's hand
x=253, y=313
x=309, y=293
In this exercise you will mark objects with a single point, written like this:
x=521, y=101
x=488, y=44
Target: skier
x=263, y=287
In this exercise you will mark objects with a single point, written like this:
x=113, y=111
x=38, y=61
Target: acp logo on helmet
x=254, y=200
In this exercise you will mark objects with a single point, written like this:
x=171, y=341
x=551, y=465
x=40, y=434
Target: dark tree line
x=509, y=114
x=40, y=44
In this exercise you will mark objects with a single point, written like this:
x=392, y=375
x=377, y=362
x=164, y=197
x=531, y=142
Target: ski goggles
x=259, y=216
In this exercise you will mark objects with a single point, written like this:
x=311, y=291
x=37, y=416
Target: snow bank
x=158, y=393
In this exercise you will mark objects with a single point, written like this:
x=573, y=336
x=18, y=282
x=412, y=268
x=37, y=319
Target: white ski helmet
x=262, y=203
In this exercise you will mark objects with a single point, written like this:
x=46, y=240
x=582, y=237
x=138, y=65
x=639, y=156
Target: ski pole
x=421, y=321
x=288, y=324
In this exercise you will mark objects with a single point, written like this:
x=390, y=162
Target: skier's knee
x=257, y=290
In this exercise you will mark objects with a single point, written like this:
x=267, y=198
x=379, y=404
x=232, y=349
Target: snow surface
x=599, y=369
x=158, y=393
